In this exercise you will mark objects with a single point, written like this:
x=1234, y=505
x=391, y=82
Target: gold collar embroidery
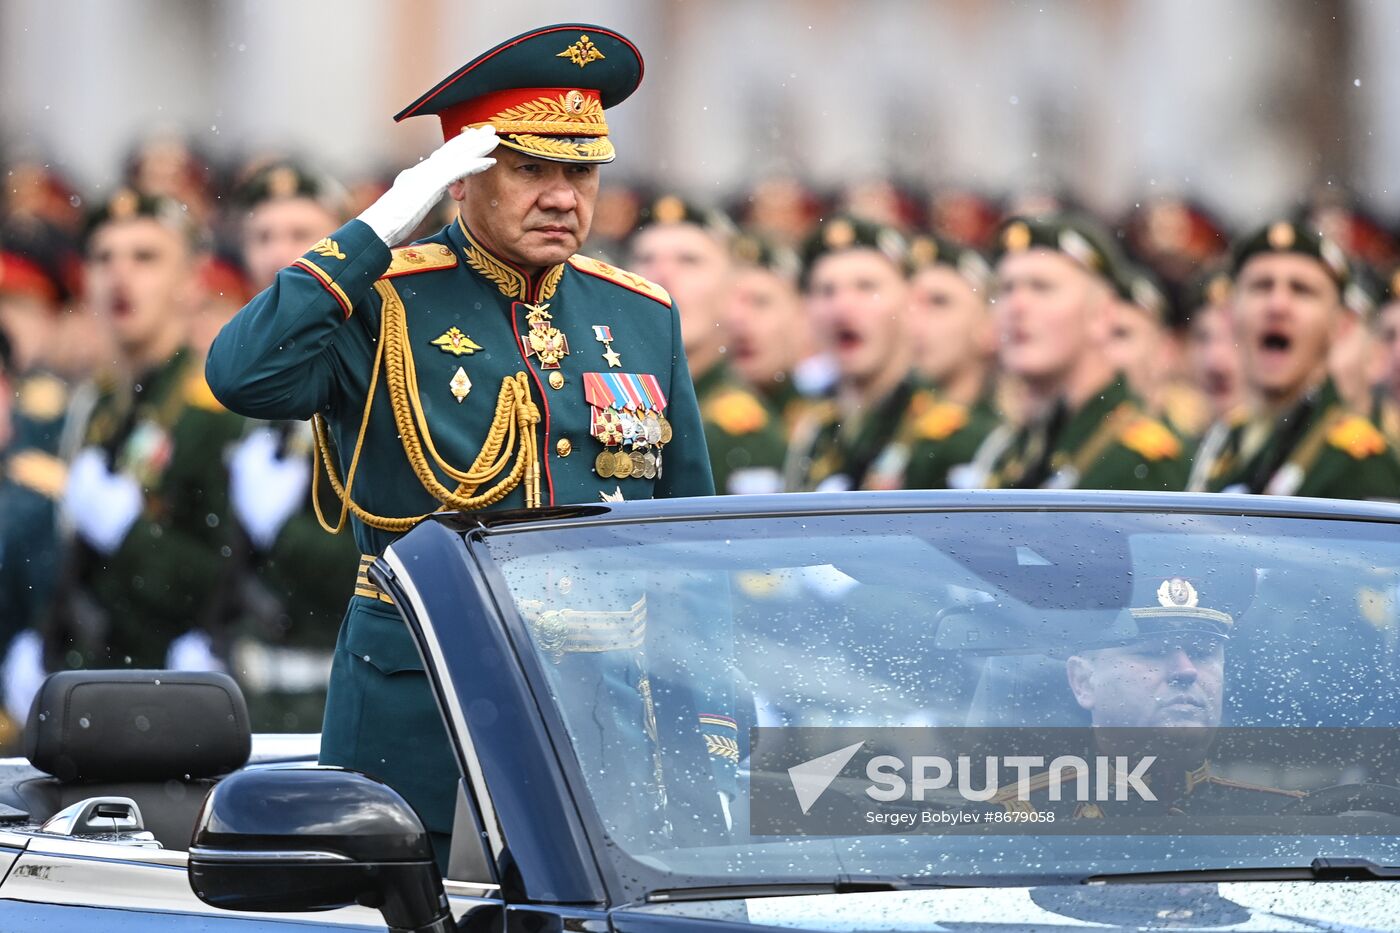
x=511, y=281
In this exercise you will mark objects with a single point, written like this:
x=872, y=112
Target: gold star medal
x=603, y=334
x=456, y=343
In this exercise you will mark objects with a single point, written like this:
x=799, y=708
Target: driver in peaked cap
x=525, y=375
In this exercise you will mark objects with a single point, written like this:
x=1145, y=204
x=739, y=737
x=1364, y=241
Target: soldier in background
x=1385, y=396
x=32, y=472
x=954, y=344
x=1055, y=312
x=686, y=250
x=1146, y=350
x=858, y=299
x=145, y=583
x=1299, y=439
x=766, y=329
x=294, y=596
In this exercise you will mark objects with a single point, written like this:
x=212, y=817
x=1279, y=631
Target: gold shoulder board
x=1357, y=436
x=425, y=257
x=1151, y=439
x=198, y=393
x=627, y=280
x=736, y=412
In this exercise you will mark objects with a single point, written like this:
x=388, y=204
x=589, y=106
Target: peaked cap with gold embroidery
x=544, y=91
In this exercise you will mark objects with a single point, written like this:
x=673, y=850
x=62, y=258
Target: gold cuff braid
x=512, y=431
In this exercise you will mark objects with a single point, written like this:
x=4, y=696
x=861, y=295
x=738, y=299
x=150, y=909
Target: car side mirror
x=302, y=838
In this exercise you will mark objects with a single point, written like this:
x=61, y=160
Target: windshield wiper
x=1321, y=869
x=846, y=884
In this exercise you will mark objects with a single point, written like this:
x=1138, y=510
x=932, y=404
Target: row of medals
x=648, y=435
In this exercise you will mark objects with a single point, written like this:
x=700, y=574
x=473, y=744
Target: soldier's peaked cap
x=544, y=91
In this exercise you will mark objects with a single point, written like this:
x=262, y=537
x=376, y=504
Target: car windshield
x=685, y=658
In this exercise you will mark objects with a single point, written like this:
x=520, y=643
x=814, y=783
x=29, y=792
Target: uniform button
x=564, y=447
x=556, y=380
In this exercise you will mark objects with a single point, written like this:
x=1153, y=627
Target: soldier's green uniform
x=746, y=444
x=1109, y=442
x=911, y=440
x=1318, y=448
x=744, y=438
x=467, y=341
x=170, y=574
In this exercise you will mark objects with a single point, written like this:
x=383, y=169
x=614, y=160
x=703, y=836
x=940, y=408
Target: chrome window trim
x=247, y=855
x=454, y=706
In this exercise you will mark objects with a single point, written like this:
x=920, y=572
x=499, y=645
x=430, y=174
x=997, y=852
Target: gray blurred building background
x=1246, y=103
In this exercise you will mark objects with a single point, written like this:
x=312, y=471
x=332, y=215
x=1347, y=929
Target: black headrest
x=137, y=726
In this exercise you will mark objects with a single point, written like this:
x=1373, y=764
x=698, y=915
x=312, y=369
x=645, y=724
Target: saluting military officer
x=1055, y=312
x=145, y=580
x=1300, y=439
x=488, y=366
x=685, y=249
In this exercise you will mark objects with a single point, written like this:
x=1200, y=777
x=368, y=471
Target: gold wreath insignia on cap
x=669, y=210
x=1218, y=290
x=839, y=234
x=1016, y=238
x=923, y=251
x=1177, y=592
x=1281, y=235
x=282, y=183
x=123, y=204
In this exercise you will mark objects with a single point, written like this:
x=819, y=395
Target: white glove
x=403, y=207
x=23, y=673
x=266, y=489
x=192, y=651
x=100, y=505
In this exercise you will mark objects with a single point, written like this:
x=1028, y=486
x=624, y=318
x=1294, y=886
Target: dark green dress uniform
x=830, y=453
x=745, y=440
x=308, y=345
x=1318, y=448
x=913, y=439
x=170, y=574
x=1109, y=442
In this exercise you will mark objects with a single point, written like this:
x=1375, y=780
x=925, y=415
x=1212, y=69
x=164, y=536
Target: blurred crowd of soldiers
x=870, y=338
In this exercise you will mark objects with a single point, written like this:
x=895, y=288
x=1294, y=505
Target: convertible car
x=619, y=682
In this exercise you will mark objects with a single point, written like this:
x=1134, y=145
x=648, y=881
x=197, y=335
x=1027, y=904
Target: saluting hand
x=416, y=189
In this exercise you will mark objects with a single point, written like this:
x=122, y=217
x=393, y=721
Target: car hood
x=1279, y=907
